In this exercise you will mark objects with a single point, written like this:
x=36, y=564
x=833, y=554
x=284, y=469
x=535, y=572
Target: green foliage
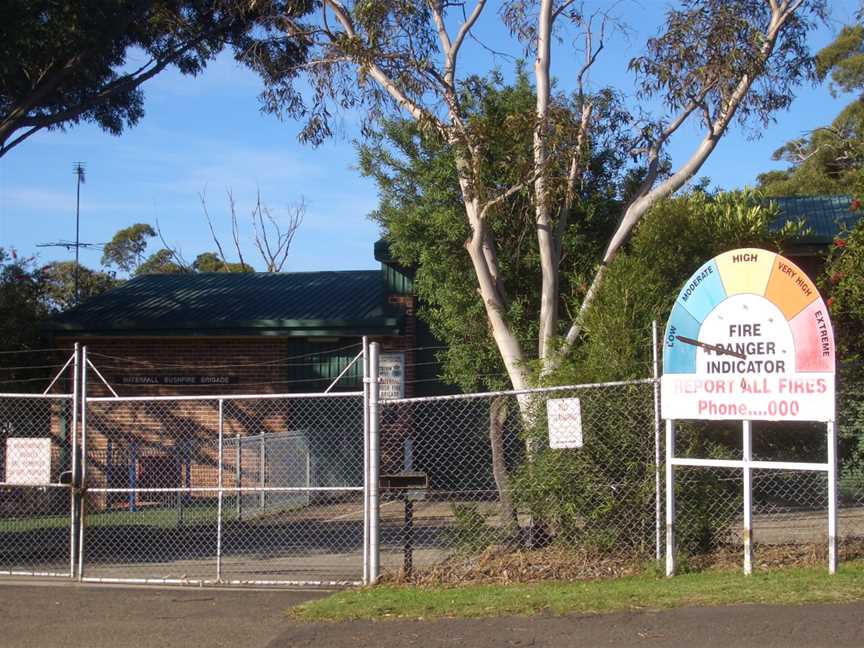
x=160, y=262
x=599, y=496
x=126, y=252
x=843, y=59
x=709, y=45
x=21, y=307
x=843, y=283
x=212, y=262
x=126, y=248
x=57, y=281
x=674, y=239
x=69, y=62
x=471, y=533
x=829, y=160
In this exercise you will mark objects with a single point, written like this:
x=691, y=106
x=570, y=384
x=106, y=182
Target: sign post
x=750, y=339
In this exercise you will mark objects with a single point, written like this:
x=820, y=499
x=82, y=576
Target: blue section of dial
x=702, y=292
x=678, y=356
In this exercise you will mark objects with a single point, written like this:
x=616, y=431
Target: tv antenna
x=80, y=178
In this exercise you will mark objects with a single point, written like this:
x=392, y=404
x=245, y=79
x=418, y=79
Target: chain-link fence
x=267, y=489
x=37, y=446
x=494, y=482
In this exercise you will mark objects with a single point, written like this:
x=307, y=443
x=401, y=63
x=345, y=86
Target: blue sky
x=207, y=134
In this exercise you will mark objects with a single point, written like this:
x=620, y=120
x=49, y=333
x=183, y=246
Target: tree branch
x=715, y=129
x=202, y=197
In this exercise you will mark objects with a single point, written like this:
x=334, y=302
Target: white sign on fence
x=391, y=372
x=28, y=461
x=565, y=422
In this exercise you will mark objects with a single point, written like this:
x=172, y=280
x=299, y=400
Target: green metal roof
x=825, y=216
x=350, y=302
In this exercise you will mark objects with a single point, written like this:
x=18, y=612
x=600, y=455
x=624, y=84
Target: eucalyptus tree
x=830, y=158
x=713, y=62
x=62, y=63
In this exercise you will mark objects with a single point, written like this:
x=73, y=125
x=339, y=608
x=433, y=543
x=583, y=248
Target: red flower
x=840, y=243
x=837, y=277
x=830, y=301
x=855, y=205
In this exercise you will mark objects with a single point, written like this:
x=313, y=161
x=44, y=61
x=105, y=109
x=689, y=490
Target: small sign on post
x=28, y=461
x=565, y=422
x=391, y=374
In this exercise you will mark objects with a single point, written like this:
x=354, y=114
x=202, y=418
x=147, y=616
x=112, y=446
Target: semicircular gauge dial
x=749, y=337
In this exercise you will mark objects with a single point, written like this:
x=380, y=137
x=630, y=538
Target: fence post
x=365, y=460
x=670, y=498
x=238, y=477
x=133, y=476
x=657, y=506
x=308, y=483
x=373, y=463
x=219, y=501
x=832, y=497
x=262, y=463
x=74, y=492
x=747, y=456
x=83, y=464
x=181, y=482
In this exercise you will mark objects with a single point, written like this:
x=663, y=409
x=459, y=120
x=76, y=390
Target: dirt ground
x=72, y=616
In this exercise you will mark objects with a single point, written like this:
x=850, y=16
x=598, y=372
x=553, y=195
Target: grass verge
x=645, y=592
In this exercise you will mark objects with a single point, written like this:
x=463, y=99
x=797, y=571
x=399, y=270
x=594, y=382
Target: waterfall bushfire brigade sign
x=749, y=338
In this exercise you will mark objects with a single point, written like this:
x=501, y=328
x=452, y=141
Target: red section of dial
x=814, y=338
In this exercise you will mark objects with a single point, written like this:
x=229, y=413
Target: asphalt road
x=69, y=616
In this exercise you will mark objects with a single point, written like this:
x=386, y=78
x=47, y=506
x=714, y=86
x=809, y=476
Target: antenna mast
x=80, y=177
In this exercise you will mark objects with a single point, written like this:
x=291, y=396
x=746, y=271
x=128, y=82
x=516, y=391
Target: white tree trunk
x=549, y=297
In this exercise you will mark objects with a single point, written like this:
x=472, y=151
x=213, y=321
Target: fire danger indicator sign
x=749, y=337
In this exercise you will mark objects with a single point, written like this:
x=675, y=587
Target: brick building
x=240, y=333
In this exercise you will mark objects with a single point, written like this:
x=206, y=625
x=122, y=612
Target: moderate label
x=391, y=375
x=749, y=337
x=28, y=461
x=565, y=422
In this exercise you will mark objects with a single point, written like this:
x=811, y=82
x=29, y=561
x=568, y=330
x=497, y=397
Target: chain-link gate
x=230, y=490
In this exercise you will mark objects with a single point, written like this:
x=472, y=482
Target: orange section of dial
x=790, y=288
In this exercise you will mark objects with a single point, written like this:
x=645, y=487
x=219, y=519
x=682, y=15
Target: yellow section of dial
x=745, y=270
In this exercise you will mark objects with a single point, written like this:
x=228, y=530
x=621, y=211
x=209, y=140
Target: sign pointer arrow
x=711, y=347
